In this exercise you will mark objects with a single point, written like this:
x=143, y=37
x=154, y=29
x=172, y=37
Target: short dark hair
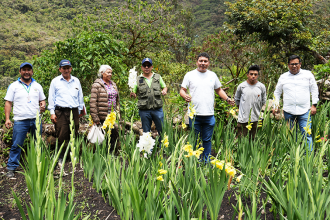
x=204, y=54
x=292, y=57
x=253, y=67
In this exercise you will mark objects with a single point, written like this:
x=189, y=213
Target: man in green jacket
x=149, y=88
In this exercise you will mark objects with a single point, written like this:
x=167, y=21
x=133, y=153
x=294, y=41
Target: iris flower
x=160, y=178
x=249, y=126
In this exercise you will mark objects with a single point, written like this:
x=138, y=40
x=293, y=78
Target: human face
x=146, y=68
x=252, y=77
x=202, y=64
x=26, y=73
x=66, y=71
x=294, y=66
x=106, y=76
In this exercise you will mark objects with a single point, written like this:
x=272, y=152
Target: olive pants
x=62, y=126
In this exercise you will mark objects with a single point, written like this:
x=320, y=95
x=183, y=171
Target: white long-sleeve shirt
x=65, y=94
x=297, y=90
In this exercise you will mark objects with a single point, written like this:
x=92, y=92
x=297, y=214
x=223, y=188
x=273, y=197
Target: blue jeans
x=301, y=120
x=21, y=127
x=204, y=126
x=149, y=115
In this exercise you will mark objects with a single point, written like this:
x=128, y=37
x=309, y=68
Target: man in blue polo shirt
x=65, y=96
x=28, y=98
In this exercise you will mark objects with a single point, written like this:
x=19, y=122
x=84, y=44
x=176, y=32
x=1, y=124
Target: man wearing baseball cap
x=29, y=99
x=149, y=88
x=65, y=96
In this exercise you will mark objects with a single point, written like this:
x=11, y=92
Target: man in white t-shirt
x=28, y=98
x=202, y=83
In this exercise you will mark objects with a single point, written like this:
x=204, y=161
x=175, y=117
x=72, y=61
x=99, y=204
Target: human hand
x=164, y=91
x=313, y=110
x=133, y=95
x=42, y=108
x=275, y=111
x=53, y=118
x=187, y=98
x=231, y=102
x=8, y=123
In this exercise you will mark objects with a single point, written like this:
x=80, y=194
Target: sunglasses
x=294, y=64
x=147, y=65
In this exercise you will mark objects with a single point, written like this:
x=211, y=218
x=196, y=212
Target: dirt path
x=88, y=201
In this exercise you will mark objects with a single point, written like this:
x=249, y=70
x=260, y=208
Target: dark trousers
x=149, y=115
x=242, y=129
x=62, y=126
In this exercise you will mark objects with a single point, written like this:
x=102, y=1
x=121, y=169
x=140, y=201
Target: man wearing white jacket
x=297, y=85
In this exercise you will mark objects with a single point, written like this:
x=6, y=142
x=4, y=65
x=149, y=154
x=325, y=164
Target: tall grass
x=38, y=171
x=277, y=162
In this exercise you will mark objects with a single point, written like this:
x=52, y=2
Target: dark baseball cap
x=25, y=64
x=65, y=63
x=147, y=60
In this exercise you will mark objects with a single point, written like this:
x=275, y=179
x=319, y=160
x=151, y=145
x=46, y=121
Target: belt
x=64, y=108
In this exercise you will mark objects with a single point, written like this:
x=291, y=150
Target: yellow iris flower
x=308, y=130
x=239, y=178
x=188, y=147
x=184, y=126
x=109, y=121
x=161, y=171
x=192, y=111
x=165, y=141
x=160, y=178
x=232, y=111
x=232, y=172
x=249, y=126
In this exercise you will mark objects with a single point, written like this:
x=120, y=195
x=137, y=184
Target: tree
x=87, y=52
x=286, y=25
x=229, y=52
x=143, y=26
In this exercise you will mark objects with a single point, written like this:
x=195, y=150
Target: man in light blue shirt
x=65, y=96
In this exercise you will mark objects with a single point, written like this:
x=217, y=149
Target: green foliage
x=321, y=71
x=87, y=52
x=4, y=83
x=2, y=95
x=229, y=52
x=29, y=27
x=287, y=25
x=209, y=15
x=46, y=117
x=38, y=171
x=143, y=26
x=129, y=109
x=171, y=71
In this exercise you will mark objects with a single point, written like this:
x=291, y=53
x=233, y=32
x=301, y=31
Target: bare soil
x=89, y=202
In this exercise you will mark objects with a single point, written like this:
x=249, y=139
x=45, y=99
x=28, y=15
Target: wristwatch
x=315, y=105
